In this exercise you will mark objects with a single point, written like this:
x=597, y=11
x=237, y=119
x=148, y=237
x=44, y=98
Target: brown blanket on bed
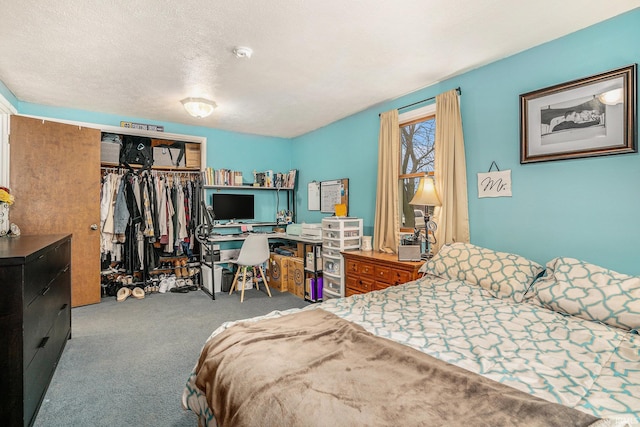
x=314, y=369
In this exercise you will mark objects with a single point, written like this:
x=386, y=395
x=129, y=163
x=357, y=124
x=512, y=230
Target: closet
x=56, y=177
x=149, y=211
x=147, y=227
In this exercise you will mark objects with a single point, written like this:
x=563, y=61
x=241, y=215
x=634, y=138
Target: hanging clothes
x=143, y=213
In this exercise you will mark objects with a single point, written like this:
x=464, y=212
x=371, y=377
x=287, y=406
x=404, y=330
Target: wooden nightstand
x=367, y=271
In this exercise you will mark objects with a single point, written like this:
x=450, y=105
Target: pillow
x=590, y=292
x=504, y=275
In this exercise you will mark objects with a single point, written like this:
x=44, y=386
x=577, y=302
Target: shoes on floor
x=190, y=285
x=137, y=293
x=180, y=287
x=123, y=294
x=167, y=284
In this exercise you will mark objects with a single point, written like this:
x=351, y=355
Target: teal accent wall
x=583, y=208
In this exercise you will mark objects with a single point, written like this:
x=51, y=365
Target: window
x=417, y=157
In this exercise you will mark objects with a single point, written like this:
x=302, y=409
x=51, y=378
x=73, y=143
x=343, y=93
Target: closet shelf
x=158, y=168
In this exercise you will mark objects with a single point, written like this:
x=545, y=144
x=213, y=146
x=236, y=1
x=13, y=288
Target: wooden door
x=55, y=178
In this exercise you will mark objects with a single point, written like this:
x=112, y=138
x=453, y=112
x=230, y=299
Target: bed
x=484, y=338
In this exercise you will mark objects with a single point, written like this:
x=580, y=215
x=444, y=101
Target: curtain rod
x=425, y=100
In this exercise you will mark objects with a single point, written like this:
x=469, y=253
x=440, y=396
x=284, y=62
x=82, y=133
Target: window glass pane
x=417, y=141
x=416, y=157
x=410, y=216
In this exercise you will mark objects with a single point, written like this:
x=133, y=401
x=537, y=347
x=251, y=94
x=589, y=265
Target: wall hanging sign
x=142, y=126
x=494, y=183
x=593, y=116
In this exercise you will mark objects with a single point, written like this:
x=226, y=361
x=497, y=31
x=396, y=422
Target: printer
x=294, y=229
x=313, y=231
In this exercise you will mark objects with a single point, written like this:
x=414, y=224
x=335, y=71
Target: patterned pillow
x=590, y=292
x=504, y=275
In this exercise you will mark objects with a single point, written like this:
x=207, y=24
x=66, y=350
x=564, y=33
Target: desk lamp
x=426, y=195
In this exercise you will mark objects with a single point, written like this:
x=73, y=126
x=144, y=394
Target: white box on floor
x=206, y=278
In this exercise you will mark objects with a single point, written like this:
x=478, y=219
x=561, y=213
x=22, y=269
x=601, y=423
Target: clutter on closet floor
x=148, y=220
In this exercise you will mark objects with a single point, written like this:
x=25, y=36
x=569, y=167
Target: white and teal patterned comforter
x=582, y=364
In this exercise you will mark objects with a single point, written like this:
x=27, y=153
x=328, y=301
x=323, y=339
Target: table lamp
x=426, y=195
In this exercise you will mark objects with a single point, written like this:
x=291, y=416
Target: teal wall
x=583, y=208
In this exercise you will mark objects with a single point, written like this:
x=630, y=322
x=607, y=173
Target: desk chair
x=254, y=253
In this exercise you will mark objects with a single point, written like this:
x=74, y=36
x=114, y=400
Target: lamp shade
x=426, y=194
x=198, y=107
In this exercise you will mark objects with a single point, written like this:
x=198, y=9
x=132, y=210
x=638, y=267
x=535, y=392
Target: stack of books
x=212, y=176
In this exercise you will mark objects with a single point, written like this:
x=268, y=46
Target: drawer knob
x=44, y=342
x=45, y=290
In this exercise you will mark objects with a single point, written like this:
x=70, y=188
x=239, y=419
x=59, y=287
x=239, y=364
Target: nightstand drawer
x=352, y=267
x=398, y=277
x=367, y=269
x=392, y=276
x=359, y=283
x=360, y=268
x=383, y=273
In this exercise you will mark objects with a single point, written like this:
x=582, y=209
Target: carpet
x=127, y=362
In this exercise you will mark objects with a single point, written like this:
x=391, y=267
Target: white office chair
x=254, y=253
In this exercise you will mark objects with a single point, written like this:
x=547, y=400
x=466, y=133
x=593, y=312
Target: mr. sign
x=494, y=184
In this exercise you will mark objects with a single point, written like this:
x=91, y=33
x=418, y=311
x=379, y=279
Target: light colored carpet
x=127, y=362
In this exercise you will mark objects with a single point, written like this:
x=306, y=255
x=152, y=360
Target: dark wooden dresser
x=367, y=271
x=35, y=320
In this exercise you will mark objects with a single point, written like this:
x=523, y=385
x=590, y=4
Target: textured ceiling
x=314, y=62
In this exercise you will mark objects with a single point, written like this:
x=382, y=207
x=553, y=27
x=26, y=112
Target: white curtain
x=450, y=174
x=386, y=226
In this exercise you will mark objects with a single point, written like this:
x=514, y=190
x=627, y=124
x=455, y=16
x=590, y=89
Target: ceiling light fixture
x=198, y=107
x=243, y=52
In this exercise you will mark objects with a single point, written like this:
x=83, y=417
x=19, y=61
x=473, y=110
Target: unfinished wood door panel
x=55, y=178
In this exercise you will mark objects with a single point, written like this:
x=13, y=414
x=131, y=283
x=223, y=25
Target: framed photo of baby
x=593, y=116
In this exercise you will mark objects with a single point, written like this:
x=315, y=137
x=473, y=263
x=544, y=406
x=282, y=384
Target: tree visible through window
x=417, y=157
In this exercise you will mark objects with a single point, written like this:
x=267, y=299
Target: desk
x=218, y=238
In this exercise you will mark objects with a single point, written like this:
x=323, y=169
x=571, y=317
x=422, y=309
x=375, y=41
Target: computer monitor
x=233, y=206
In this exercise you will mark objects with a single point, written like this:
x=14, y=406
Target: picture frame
x=592, y=116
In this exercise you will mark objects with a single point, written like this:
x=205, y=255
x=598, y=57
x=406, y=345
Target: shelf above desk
x=243, y=187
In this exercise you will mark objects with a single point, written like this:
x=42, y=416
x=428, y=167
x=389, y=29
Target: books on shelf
x=267, y=178
x=289, y=179
x=221, y=177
